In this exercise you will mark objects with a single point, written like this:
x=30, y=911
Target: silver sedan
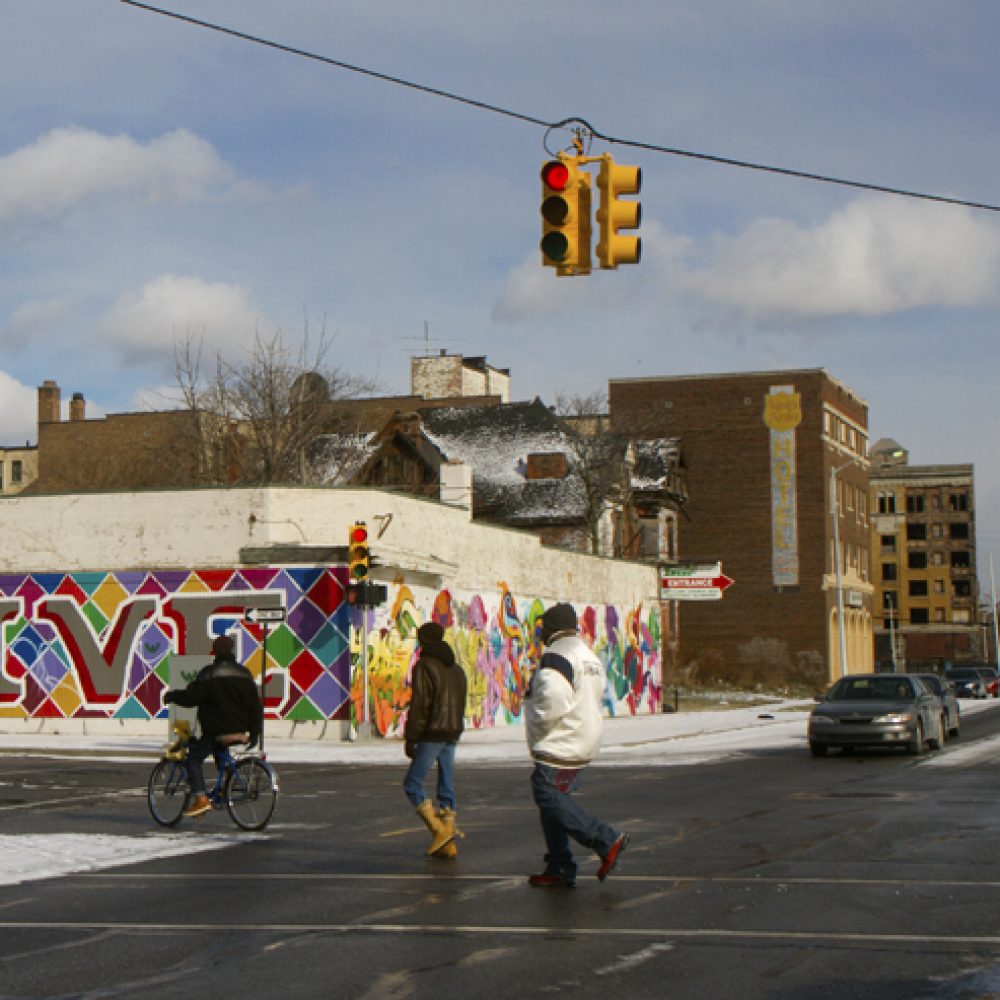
x=877, y=710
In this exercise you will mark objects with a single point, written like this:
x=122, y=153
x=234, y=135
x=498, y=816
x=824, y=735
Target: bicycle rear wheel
x=167, y=792
x=251, y=792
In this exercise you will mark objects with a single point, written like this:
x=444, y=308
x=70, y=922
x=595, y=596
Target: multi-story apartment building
x=776, y=466
x=924, y=545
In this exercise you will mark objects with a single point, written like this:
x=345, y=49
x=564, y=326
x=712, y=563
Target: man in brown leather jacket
x=434, y=724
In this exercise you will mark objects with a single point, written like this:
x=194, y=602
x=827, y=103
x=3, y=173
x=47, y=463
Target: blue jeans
x=198, y=751
x=552, y=789
x=423, y=760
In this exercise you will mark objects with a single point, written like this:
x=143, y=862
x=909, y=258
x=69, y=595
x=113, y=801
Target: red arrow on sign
x=720, y=582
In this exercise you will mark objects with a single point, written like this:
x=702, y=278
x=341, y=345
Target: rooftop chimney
x=77, y=407
x=49, y=402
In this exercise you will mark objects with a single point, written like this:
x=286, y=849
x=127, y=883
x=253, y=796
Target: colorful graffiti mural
x=497, y=646
x=100, y=645
x=107, y=645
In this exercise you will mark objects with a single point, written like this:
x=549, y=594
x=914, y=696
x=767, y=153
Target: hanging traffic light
x=613, y=214
x=358, y=556
x=565, y=216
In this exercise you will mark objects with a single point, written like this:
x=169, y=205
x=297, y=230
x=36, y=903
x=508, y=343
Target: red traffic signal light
x=358, y=555
x=565, y=211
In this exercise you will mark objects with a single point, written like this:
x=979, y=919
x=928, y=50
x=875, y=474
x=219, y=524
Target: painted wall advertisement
x=105, y=644
x=782, y=414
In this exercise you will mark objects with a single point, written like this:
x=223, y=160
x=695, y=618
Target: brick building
x=924, y=541
x=760, y=452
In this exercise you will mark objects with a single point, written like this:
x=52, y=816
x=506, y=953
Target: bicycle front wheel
x=251, y=793
x=167, y=792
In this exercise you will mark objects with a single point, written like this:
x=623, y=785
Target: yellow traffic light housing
x=614, y=214
x=565, y=216
x=358, y=556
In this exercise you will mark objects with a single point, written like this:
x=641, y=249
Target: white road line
x=961, y=942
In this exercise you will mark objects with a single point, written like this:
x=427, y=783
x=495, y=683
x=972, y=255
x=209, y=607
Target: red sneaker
x=543, y=880
x=609, y=860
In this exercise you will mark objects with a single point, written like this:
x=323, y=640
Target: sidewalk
x=670, y=738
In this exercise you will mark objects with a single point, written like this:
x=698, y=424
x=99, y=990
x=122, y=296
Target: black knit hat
x=558, y=618
x=429, y=632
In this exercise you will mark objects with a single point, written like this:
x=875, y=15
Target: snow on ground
x=47, y=855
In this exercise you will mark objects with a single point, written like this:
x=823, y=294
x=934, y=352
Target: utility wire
x=531, y=120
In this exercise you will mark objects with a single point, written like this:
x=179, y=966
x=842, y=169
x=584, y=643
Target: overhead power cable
x=533, y=120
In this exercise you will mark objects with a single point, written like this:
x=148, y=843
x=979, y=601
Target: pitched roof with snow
x=495, y=442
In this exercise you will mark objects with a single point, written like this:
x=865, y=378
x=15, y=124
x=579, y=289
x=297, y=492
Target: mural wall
x=105, y=645
x=495, y=641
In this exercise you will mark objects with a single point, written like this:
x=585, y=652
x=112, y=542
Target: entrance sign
x=693, y=582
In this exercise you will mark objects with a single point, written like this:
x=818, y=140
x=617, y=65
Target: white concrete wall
x=208, y=528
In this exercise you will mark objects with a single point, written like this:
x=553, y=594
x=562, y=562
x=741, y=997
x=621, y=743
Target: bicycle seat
x=231, y=739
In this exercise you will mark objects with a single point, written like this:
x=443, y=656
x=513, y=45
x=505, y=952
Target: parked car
x=967, y=681
x=877, y=710
x=992, y=681
x=944, y=690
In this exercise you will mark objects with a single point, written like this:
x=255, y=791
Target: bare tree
x=259, y=417
x=599, y=457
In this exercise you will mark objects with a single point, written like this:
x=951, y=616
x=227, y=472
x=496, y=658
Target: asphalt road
x=772, y=875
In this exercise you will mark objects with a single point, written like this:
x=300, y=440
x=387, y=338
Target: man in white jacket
x=563, y=720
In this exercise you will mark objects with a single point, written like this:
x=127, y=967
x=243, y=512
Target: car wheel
x=818, y=749
x=953, y=732
x=917, y=746
x=937, y=741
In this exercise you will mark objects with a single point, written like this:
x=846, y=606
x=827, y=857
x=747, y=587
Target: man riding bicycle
x=228, y=703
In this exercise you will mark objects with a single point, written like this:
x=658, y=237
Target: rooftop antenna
x=427, y=339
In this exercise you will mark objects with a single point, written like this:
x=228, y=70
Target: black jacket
x=437, y=706
x=227, y=700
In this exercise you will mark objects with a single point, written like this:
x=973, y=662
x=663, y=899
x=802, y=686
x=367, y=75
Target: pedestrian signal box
x=358, y=555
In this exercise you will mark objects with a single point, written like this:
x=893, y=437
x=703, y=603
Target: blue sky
x=158, y=179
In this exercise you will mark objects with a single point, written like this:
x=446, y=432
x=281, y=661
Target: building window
x=961, y=616
x=958, y=501
x=914, y=504
x=939, y=614
x=919, y=616
x=936, y=530
x=889, y=601
x=16, y=472
x=937, y=558
x=961, y=588
x=916, y=560
x=961, y=560
x=918, y=588
x=888, y=543
x=960, y=529
x=887, y=503
x=939, y=586
x=888, y=571
x=916, y=532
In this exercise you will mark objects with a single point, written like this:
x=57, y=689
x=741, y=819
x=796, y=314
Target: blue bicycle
x=246, y=785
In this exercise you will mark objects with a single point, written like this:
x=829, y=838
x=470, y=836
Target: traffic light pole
x=366, y=723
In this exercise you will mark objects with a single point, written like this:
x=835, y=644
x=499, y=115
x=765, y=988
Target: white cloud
x=18, y=411
x=144, y=325
x=32, y=319
x=70, y=165
x=873, y=258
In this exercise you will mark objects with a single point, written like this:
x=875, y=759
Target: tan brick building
x=762, y=453
x=924, y=545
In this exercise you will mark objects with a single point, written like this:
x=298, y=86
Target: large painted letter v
x=101, y=669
